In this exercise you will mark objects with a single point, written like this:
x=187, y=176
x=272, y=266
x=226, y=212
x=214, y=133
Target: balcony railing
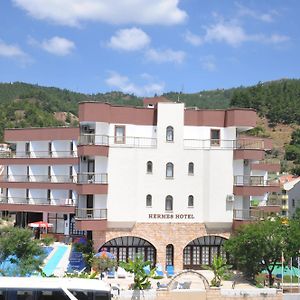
x=91, y=213
x=39, y=154
x=36, y=201
x=127, y=141
x=254, y=181
x=251, y=214
x=88, y=177
x=39, y=178
x=240, y=143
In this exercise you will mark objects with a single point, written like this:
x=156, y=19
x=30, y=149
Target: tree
x=259, y=246
x=19, y=248
x=138, y=267
x=220, y=268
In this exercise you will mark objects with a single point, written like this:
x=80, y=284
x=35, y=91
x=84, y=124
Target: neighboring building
x=167, y=182
x=289, y=195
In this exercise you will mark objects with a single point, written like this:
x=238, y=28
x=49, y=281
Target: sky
x=147, y=47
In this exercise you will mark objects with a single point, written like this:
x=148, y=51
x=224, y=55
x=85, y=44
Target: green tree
x=220, y=268
x=138, y=267
x=18, y=246
x=259, y=246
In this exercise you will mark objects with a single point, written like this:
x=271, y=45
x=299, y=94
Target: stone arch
x=127, y=246
x=201, y=250
x=173, y=282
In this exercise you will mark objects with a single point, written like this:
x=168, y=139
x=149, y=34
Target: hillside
x=277, y=103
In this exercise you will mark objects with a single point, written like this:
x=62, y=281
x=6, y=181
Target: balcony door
x=91, y=170
x=89, y=205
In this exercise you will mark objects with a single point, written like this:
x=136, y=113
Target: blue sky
x=148, y=46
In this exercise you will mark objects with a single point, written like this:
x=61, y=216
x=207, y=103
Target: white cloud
x=162, y=56
x=73, y=12
x=234, y=35
x=264, y=17
x=13, y=52
x=129, y=39
x=193, y=39
x=231, y=34
x=123, y=83
x=277, y=38
x=208, y=63
x=56, y=45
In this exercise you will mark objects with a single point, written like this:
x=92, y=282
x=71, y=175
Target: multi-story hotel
x=164, y=180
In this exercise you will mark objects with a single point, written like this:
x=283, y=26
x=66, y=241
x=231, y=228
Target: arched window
x=169, y=203
x=170, y=255
x=169, y=170
x=170, y=134
x=149, y=166
x=191, y=168
x=191, y=201
x=148, y=200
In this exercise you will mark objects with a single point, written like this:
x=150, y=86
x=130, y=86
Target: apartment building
x=166, y=181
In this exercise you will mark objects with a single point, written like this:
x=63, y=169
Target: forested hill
x=24, y=105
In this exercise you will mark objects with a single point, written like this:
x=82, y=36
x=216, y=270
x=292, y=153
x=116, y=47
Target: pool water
x=54, y=260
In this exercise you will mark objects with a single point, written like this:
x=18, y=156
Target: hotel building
x=164, y=180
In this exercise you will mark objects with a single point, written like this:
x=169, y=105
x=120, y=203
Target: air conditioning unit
x=230, y=198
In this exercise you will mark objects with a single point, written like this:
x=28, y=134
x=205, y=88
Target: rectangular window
x=120, y=134
x=49, y=195
x=58, y=222
x=215, y=137
x=71, y=148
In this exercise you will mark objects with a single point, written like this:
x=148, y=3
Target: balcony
x=38, y=157
x=270, y=165
x=37, y=204
x=92, y=183
x=254, y=186
x=246, y=216
x=127, y=141
x=91, y=219
x=38, y=181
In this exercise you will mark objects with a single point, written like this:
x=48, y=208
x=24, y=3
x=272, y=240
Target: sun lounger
x=170, y=271
x=147, y=269
x=111, y=273
x=159, y=271
x=121, y=273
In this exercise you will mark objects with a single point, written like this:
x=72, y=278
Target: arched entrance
x=125, y=247
x=201, y=251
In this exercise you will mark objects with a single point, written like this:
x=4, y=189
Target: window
x=49, y=196
x=120, y=134
x=72, y=148
x=215, y=137
x=169, y=203
x=191, y=201
x=293, y=202
x=149, y=167
x=148, y=200
x=27, y=195
x=170, y=255
x=170, y=134
x=191, y=168
x=169, y=170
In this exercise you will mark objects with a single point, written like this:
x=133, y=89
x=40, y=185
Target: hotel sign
x=171, y=216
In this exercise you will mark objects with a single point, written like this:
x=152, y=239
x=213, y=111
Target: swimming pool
x=54, y=260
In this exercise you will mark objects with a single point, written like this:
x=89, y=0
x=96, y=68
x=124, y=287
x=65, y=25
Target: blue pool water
x=52, y=263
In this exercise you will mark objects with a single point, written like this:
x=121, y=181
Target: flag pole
x=282, y=259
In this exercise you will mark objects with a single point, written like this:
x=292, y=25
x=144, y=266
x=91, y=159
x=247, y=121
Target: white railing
x=37, y=201
x=39, y=154
x=89, y=177
x=126, y=141
x=91, y=213
x=250, y=214
x=39, y=178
